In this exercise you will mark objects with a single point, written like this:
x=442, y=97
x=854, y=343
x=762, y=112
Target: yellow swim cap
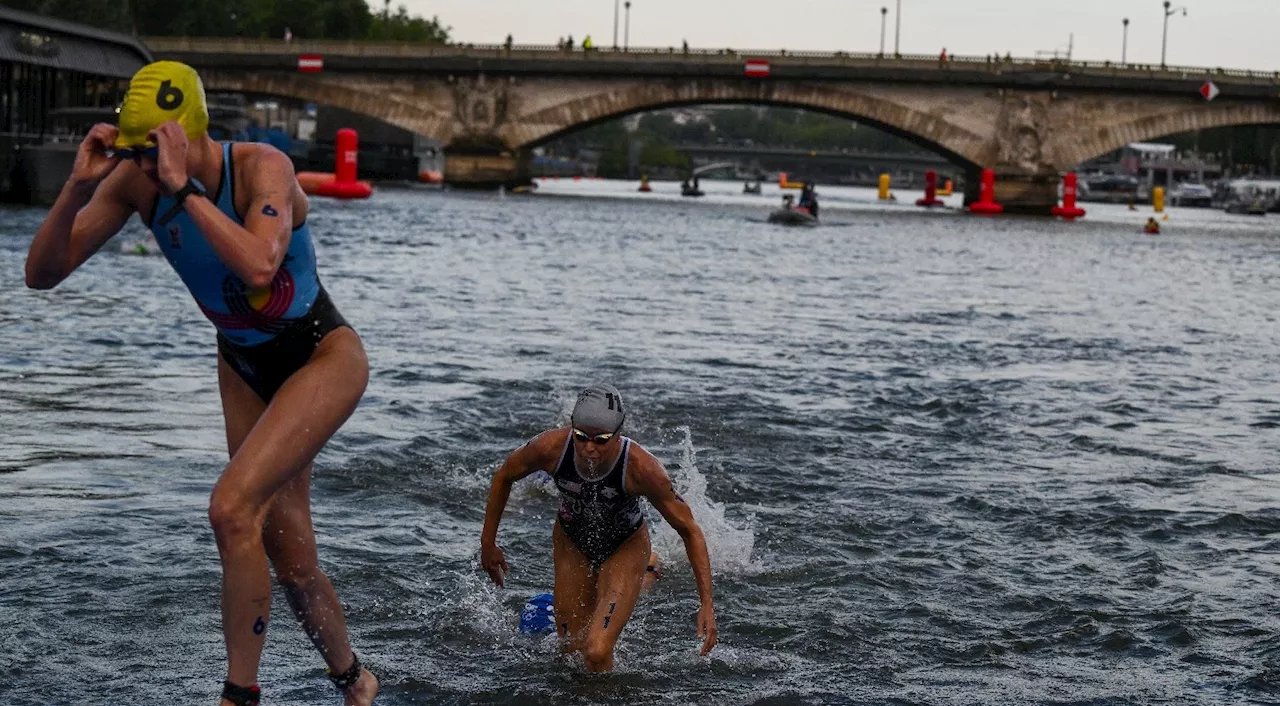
x=160, y=92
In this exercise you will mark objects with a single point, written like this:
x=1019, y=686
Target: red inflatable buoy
x=342, y=184
x=986, y=203
x=930, y=191
x=1068, y=209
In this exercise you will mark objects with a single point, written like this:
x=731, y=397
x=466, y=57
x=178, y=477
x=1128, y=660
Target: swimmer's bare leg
x=618, y=588
x=279, y=445
x=575, y=590
x=291, y=545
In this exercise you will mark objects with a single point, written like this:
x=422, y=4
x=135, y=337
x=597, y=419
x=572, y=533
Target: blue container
x=539, y=615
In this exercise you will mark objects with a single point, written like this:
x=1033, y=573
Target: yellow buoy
x=884, y=187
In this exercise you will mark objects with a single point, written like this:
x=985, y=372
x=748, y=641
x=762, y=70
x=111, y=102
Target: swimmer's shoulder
x=260, y=167
x=548, y=445
x=252, y=160
x=644, y=471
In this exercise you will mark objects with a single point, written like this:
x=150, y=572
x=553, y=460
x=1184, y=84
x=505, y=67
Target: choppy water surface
x=939, y=459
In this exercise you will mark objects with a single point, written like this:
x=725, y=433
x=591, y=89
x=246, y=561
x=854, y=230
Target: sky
x=1237, y=34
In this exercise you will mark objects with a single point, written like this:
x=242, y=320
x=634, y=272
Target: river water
x=939, y=459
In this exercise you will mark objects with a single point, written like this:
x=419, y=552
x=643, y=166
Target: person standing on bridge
x=290, y=369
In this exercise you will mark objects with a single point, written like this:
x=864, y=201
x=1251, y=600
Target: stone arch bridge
x=1030, y=121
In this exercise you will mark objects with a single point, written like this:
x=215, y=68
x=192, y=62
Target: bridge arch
x=958, y=145
x=430, y=108
x=1085, y=145
x=403, y=109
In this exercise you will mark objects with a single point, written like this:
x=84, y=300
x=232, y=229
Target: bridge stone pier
x=1030, y=121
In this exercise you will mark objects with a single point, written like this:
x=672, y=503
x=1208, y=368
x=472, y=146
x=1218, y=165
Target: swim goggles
x=135, y=154
x=598, y=439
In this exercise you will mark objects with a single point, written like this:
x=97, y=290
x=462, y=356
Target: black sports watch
x=193, y=186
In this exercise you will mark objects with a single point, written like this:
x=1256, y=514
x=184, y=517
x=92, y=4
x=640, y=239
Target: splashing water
x=730, y=547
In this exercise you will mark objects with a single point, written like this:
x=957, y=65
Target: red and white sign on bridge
x=310, y=63
x=756, y=68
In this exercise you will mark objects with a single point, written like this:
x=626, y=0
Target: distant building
x=1155, y=164
x=54, y=75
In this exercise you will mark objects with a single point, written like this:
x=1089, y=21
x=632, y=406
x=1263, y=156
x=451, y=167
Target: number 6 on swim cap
x=160, y=92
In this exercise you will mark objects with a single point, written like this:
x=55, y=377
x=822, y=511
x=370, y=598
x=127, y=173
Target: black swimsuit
x=267, y=365
x=598, y=516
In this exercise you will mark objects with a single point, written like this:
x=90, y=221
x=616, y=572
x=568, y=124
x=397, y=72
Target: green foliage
x=306, y=19
x=401, y=27
x=104, y=15
x=802, y=129
x=1237, y=148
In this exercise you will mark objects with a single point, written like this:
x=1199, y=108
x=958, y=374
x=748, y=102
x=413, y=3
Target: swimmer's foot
x=357, y=684
x=363, y=691
x=233, y=695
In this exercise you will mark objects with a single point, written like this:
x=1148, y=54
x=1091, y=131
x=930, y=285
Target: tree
x=402, y=27
x=307, y=19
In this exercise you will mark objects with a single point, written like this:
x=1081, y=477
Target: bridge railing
x=780, y=57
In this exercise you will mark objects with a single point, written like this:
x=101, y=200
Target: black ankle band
x=241, y=695
x=348, y=678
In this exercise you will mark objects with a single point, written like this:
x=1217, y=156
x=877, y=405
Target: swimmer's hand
x=494, y=562
x=707, y=627
x=171, y=165
x=94, y=159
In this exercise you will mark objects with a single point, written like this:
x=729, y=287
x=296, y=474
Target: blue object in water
x=539, y=615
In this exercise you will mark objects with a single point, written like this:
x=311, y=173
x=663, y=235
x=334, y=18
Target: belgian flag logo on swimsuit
x=259, y=309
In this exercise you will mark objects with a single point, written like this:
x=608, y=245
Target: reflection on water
x=938, y=458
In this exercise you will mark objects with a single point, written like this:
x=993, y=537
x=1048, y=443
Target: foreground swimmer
x=600, y=541
x=231, y=219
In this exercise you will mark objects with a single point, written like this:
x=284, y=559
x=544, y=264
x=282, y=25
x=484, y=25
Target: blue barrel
x=539, y=615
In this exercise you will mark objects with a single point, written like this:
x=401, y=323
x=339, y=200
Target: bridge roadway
x=1029, y=120
x=534, y=60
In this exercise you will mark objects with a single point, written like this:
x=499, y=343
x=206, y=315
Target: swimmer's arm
x=542, y=451
x=253, y=252
x=650, y=479
x=83, y=218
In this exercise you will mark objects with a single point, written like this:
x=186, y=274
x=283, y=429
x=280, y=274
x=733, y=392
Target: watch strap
x=179, y=200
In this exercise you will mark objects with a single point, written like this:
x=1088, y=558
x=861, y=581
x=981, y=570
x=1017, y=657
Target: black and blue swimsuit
x=597, y=515
x=265, y=334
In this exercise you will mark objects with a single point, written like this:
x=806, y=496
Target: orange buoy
x=783, y=183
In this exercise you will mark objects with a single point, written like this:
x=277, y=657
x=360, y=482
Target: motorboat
x=1189, y=195
x=1255, y=207
x=751, y=187
x=687, y=189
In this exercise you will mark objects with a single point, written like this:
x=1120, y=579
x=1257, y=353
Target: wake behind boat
x=793, y=217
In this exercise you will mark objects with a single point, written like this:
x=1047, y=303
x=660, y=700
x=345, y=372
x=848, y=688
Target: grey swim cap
x=599, y=407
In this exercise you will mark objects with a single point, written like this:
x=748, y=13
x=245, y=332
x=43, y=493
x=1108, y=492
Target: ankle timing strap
x=348, y=678
x=241, y=695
